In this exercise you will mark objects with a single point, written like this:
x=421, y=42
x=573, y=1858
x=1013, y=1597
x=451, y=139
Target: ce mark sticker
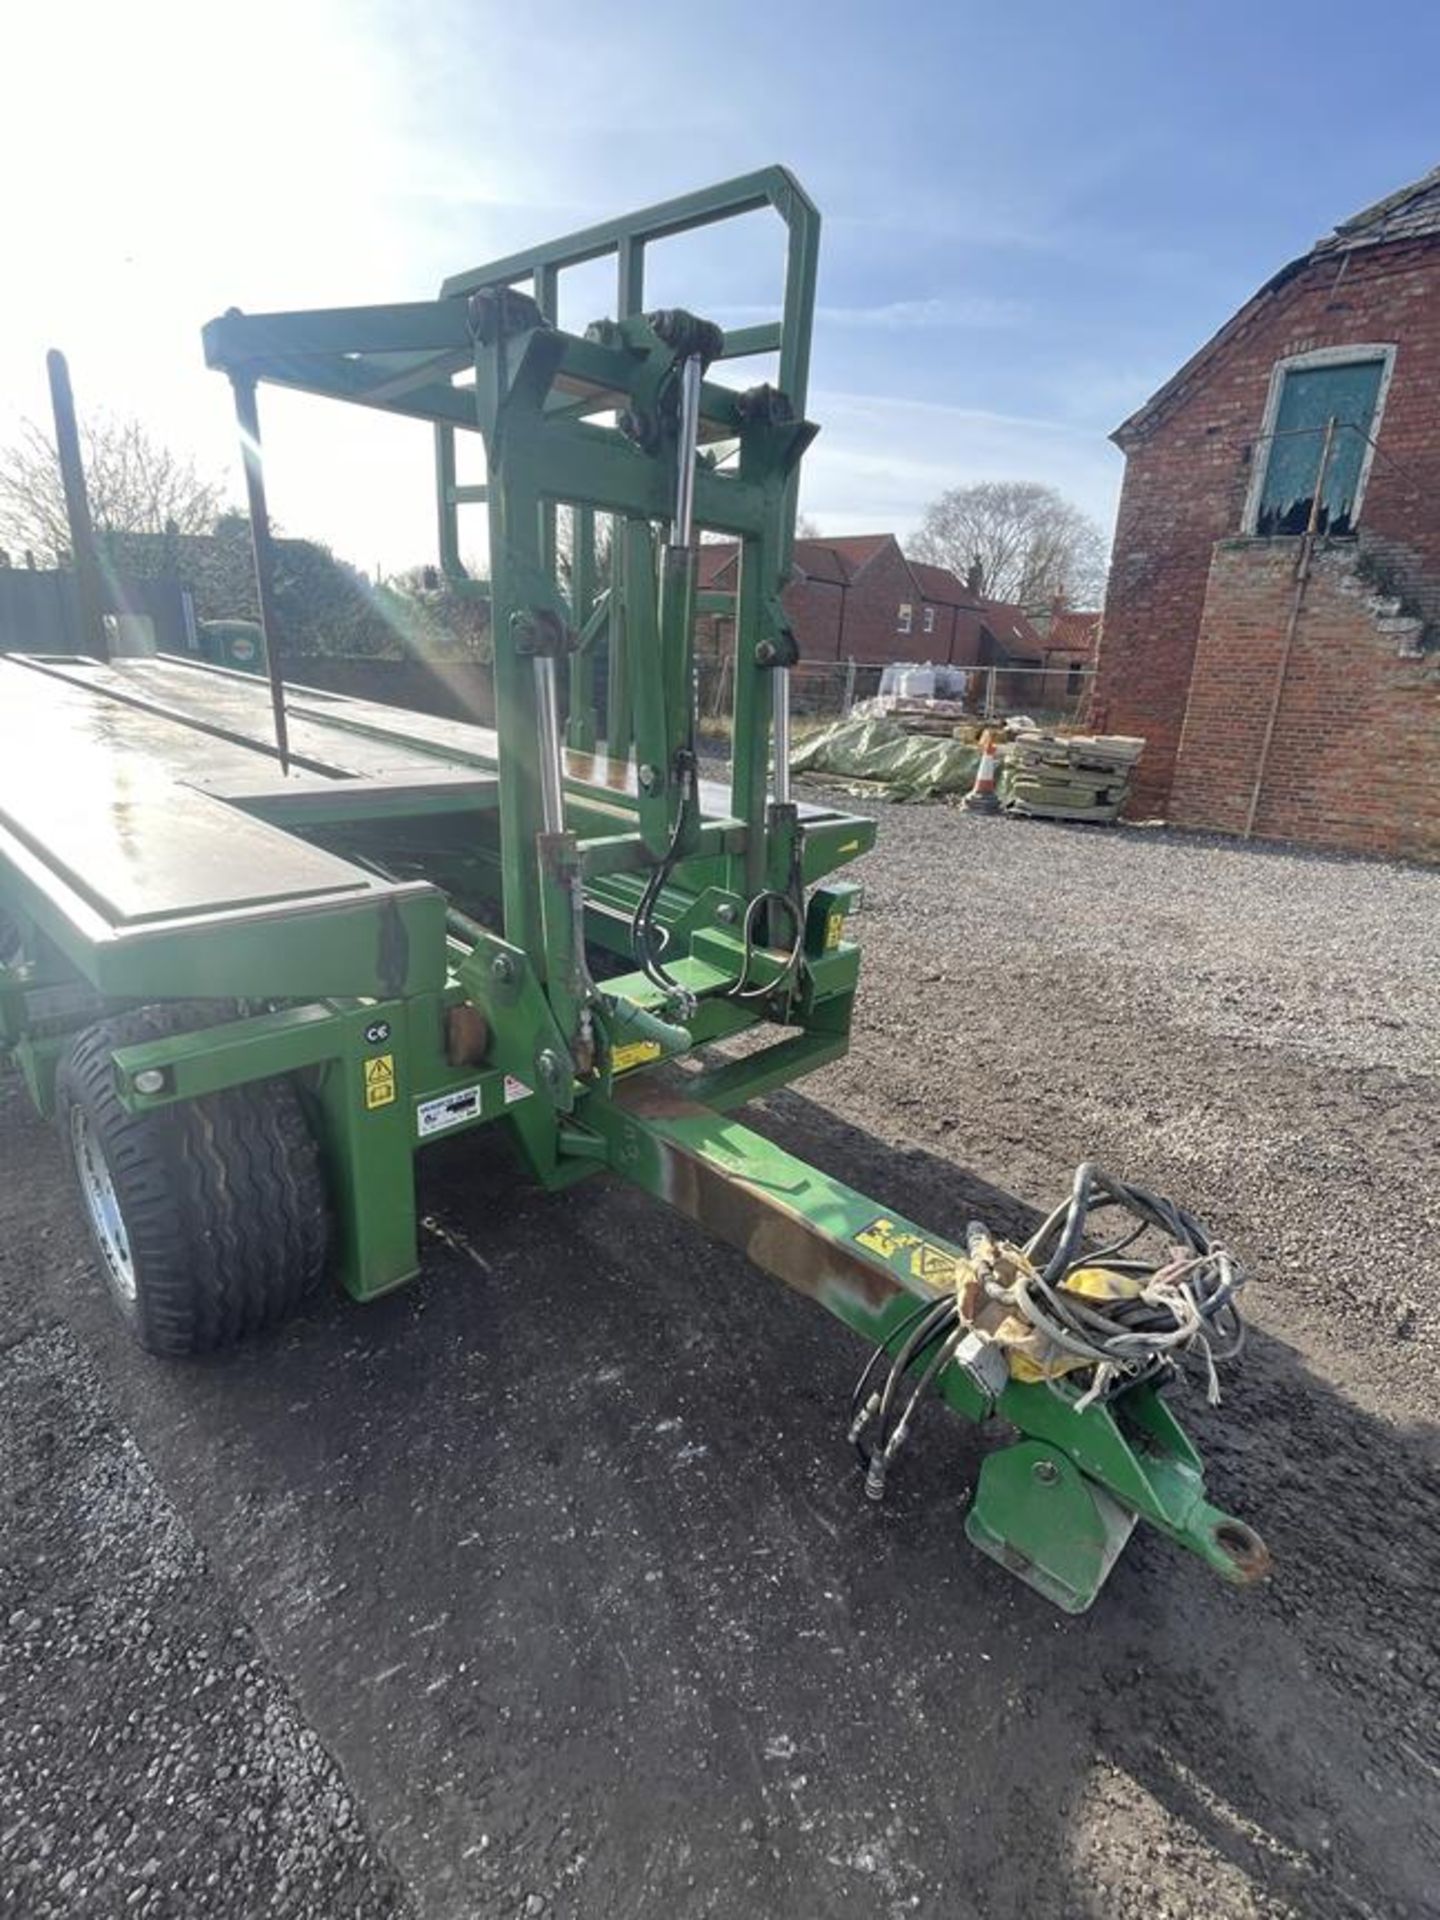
x=377, y=1033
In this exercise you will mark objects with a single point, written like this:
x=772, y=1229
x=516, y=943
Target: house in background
x=1274, y=594
x=1071, y=640
x=860, y=599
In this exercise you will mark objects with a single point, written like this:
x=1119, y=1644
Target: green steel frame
x=518, y=870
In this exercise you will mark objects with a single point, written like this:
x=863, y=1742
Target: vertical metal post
x=1326, y=446
x=802, y=259
x=448, y=510
x=262, y=545
x=749, y=760
x=849, y=689
x=619, y=719
x=780, y=677
x=580, y=728
x=83, y=555
x=676, y=659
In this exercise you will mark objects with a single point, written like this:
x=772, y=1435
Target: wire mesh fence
x=824, y=690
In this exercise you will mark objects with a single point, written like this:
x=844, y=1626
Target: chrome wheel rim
x=102, y=1205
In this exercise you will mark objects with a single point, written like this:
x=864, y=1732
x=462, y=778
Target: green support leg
x=369, y=1156
x=1044, y=1521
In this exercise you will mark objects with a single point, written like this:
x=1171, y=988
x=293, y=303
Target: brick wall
x=870, y=626
x=1187, y=474
x=816, y=609
x=1354, y=760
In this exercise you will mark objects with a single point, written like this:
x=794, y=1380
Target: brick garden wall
x=1186, y=480
x=1354, y=760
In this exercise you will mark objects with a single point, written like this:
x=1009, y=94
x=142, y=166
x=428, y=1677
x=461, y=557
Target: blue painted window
x=1310, y=397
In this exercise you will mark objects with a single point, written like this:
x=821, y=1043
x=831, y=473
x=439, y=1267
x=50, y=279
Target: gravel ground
x=151, y=1762
x=559, y=1556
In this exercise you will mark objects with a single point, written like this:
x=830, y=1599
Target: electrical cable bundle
x=1129, y=1317
x=1107, y=1316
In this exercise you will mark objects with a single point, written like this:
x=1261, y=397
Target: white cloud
x=901, y=316
x=879, y=461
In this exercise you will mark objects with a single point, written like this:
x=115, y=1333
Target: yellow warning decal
x=634, y=1053
x=380, y=1080
x=886, y=1239
x=850, y=846
x=936, y=1266
x=834, y=929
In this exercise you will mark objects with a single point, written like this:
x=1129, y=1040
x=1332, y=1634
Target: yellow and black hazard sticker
x=380, y=1080
x=936, y=1266
x=834, y=929
x=633, y=1053
x=886, y=1239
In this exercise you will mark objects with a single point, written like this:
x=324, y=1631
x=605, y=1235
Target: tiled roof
x=835, y=560
x=1011, y=627
x=940, y=585
x=1411, y=213
x=1074, y=632
x=818, y=560
x=858, y=551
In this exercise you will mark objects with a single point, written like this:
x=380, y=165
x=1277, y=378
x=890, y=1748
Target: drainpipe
x=1297, y=601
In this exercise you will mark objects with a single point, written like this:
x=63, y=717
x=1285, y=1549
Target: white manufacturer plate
x=451, y=1110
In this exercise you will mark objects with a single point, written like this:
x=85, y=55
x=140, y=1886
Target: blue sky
x=1033, y=212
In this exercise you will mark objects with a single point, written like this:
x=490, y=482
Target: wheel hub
x=103, y=1205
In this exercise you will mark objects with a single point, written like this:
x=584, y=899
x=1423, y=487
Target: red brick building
x=861, y=599
x=1274, y=597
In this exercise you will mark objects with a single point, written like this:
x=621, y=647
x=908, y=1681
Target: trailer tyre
x=209, y=1217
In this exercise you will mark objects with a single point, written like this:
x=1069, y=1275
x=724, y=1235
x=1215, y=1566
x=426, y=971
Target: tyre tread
x=222, y=1196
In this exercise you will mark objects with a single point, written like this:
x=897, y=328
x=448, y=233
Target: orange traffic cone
x=982, y=797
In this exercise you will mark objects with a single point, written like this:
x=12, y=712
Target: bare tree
x=806, y=528
x=136, y=486
x=1015, y=540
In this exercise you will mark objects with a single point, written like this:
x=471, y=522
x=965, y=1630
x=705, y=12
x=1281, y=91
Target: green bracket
x=1038, y=1515
x=529, y=1048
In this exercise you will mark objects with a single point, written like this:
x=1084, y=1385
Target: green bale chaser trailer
x=261, y=945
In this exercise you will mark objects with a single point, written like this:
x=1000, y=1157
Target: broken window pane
x=1309, y=398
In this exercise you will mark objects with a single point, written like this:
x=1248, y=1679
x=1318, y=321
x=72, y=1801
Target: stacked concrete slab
x=1053, y=776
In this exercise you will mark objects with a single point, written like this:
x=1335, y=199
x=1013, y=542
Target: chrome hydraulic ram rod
x=683, y=531
x=552, y=769
x=780, y=684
